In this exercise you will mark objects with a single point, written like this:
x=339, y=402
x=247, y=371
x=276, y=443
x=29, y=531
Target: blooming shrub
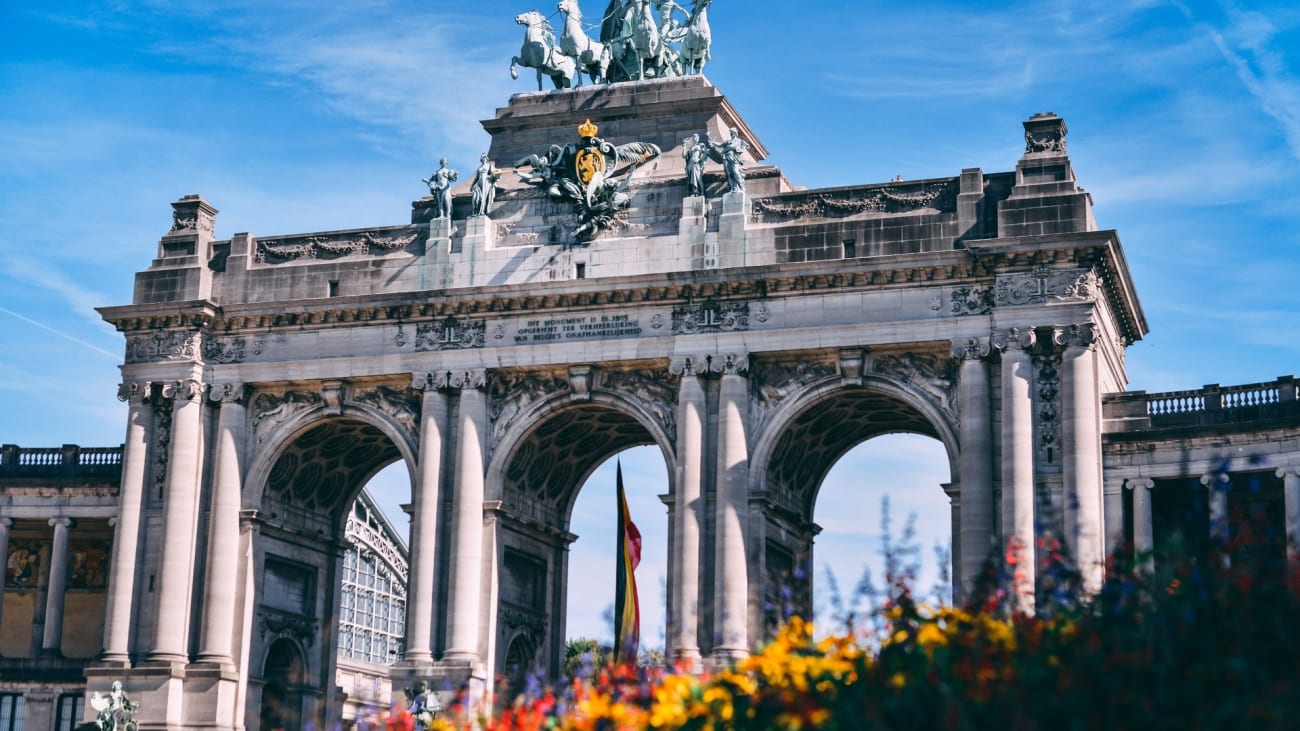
x=1210, y=641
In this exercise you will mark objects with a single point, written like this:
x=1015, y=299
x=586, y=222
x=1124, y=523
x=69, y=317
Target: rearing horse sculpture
x=539, y=52
x=645, y=38
x=698, y=38
x=590, y=56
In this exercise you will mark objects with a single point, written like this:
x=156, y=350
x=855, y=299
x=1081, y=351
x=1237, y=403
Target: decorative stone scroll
x=1047, y=411
x=228, y=393
x=1083, y=335
x=1044, y=284
x=1045, y=133
x=971, y=348
x=895, y=199
x=934, y=375
x=135, y=392
x=161, y=346
x=162, y=431
x=710, y=317
x=331, y=246
x=651, y=390
x=706, y=364
x=183, y=390
x=280, y=624
x=452, y=380
x=450, y=334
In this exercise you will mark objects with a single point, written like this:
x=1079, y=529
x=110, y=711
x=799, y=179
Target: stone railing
x=67, y=461
x=1210, y=405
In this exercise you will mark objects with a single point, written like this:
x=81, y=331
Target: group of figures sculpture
x=114, y=712
x=592, y=174
x=639, y=39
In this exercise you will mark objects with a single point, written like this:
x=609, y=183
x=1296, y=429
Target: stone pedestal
x=731, y=230
x=435, y=267
x=692, y=232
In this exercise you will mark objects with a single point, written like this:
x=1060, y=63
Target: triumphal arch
x=622, y=269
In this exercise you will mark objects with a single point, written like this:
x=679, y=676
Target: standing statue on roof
x=483, y=191
x=439, y=183
x=731, y=153
x=696, y=153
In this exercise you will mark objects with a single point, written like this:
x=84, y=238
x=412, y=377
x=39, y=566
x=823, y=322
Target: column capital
x=184, y=390
x=1290, y=470
x=6, y=522
x=971, y=348
x=228, y=393
x=1081, y=335
x=705, y=364
x=458, y=380
x=64, y=521
x=135, y=392
x=1140, y=483
x=1014, y=339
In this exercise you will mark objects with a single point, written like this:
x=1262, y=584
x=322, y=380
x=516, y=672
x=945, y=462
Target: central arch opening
x=548, y=565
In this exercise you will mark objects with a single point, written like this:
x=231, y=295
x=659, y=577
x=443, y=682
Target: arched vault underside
x=322, y=468
x=826, y=430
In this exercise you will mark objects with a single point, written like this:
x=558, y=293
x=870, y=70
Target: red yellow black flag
x=627, y=610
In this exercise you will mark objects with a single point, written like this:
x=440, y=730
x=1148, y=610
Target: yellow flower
x=930, y=636
x=898, y=680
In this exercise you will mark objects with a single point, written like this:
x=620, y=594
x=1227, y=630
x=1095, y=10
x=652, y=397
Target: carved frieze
x=162, y=429
x=272, y=409
x=450, y=334
x=652, y=390
x=332, y=246
x=1044, y=284
x=160, y=346
x=710, y=317
x=226, y=350
x=891, y=199
x=934, y=375
x=280, y=624
x=1047, y=410
x=399, y=403
x=971, y=301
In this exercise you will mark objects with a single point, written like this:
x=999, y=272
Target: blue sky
x=295, y=116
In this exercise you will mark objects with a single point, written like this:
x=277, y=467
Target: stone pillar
x=688, y=506
x=57, y=587
x=1018, y=460
x=175, y=580
x=467, y=518
x=731, y=584
x=954, y=559
x=976, y=459
x=1143, y=531
x=217, y=641
x=5, y=525
x=1291, y=494
x=118, y=603
x=1217, y=484
x=424, y=523
x=1114, y=514
x=1081, y=452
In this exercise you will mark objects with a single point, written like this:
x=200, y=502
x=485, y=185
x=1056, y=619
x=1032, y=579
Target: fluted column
x=57, y=587
x=175, y=580
x=5, y=525
x=976, y=489
x=731, y=580
x=1018, y=460
x=467, y=516
x=1081, y=451
x=691, y=405
x=1143, y=531
x=424, y=523
x=120, y=599
x=1291, y=495
x=217, y=642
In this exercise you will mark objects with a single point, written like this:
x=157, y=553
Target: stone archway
x=283, y=677
x=803, y=440
x=540, y=465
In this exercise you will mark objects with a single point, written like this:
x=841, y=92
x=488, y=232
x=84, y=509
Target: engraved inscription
x=578, y=327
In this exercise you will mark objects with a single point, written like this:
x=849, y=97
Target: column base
x=689, y=661
x=725, y=657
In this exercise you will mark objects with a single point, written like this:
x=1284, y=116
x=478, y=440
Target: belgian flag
x=627, y=610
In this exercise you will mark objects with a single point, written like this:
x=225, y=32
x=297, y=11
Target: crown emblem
x=587, y=129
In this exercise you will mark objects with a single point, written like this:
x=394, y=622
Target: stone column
x=217, y=641
x=976, y=459
x=176, y=576
x=1143, y=531
x=120, y=599
x=467, y=518
x=1217, y=484
x=953, y=492
x=424, y=523
x=1114, y=514
x=731, y=584
x=1018, y=460
x=1291, y=494
x=688, y=507
x=57, y=587
x=1081, y=452
x=5, y=525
